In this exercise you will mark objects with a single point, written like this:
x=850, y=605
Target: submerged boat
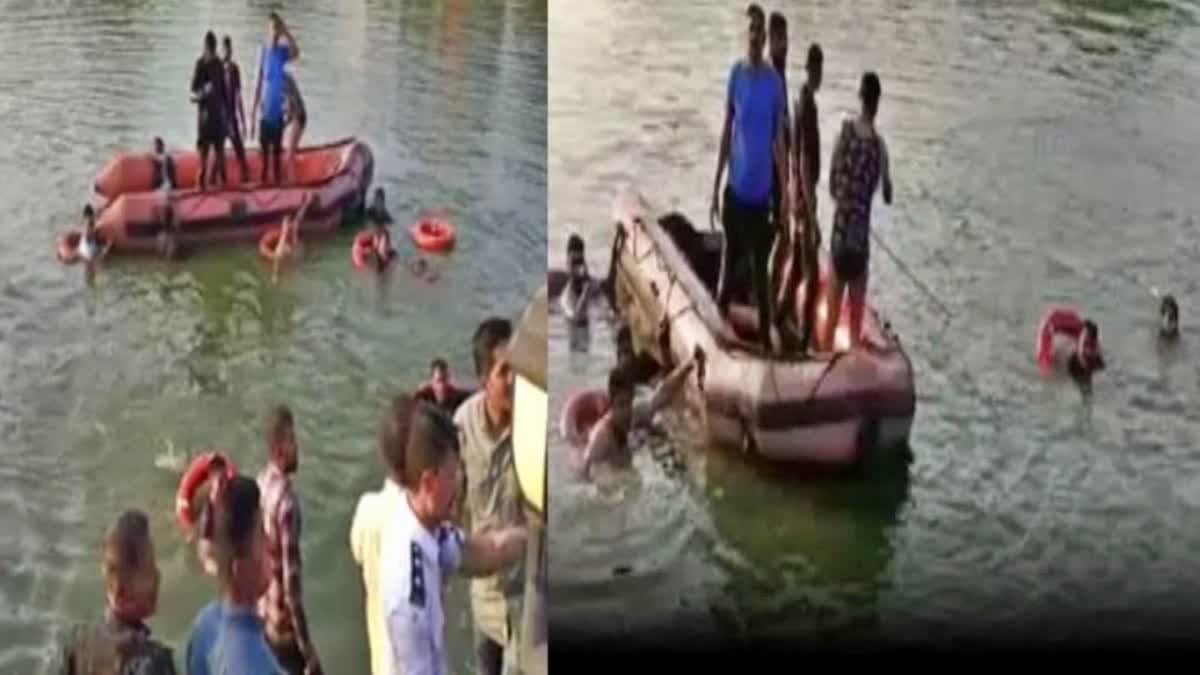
x=130, y=209
x=823, y=409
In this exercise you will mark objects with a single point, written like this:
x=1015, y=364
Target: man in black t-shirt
x=235, y=112
x=208, y=91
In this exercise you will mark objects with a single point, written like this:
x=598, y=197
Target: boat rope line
x=911, y=276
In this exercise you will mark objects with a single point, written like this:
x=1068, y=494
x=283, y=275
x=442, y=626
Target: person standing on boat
x=235, y=111
x=777, y=49
x=752, y=143
x=282, y=607
x=294, y=121
x=858, y=167
x=279, y=50
x=208, y=91
x=806, y=170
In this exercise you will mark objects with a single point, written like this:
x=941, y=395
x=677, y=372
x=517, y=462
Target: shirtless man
x=609, y=439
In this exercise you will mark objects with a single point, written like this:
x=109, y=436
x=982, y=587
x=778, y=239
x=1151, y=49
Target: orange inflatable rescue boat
x=130, y=209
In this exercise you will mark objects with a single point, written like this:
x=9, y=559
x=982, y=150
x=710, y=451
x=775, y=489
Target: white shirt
x=87, y=247
x=412, y=564
x=366, y=530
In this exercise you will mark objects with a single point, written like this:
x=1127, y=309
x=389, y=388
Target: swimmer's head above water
x=1088, y=356
x=1168, y=315
x=89, y=218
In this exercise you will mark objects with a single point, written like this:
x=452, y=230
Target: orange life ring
x=67, y=247
x=580, y=413
x=433, y=235
x=196, y=474
x=1056, y=321
x=269, y=242
x=362, y=249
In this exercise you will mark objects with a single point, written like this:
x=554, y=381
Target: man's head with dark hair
x=158, y=145
x=393, y=434
x=226, y=48
x=574, y=247
x=439, y=379
x=210, y=43
x=241, y=544
x=89, y=217
x=756, y=37
x=869, y=92
x=777, y=39
x=490, y=347
x=1168, y=312
x=815, y=66
x=281, y=439
x=1088, y=349
x=431, y=463
x=621, y=385
x=131, y=575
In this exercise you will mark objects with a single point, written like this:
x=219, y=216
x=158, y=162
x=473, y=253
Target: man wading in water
x=752, y=143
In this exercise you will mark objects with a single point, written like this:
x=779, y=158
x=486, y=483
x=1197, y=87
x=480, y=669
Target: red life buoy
x=362, y=249
x=432, y=235
x=67, y=247
x=1056, y=321
x=269, y=242
x=580, y=413
x=196, y=474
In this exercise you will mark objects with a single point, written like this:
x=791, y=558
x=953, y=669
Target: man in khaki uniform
x=492, y=499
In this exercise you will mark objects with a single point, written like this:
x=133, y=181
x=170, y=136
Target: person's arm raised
x=489, y=552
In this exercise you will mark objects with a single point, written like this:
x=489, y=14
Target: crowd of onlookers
x=449, y=504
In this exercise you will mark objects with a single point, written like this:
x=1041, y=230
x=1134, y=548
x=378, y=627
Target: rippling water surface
x=96, y=383
x=1042, y=153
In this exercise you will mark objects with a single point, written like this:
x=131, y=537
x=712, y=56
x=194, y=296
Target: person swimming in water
x=1168, y=315
x=289, y=234
x=91, y=249
x=578, y=289
x=378, y=215
x=1087, y=357
x=608, y=440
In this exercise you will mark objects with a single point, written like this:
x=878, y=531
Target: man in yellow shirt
x=369, y=520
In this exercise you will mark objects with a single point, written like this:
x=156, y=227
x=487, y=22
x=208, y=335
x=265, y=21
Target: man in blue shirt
x=752, y=142
x=227, y=637
x=269, y=91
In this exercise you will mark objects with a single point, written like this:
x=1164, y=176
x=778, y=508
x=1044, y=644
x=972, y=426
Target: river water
x=1042, y=152
x=100, y=382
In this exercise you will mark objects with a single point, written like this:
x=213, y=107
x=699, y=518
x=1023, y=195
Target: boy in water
x=379, y=217
x=1087, y=357
x=164, y=170
x=609, y=439
x=90, y=248
x=1168, y=314
x=289, y=234
x=579, y=282
x=168, y=234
